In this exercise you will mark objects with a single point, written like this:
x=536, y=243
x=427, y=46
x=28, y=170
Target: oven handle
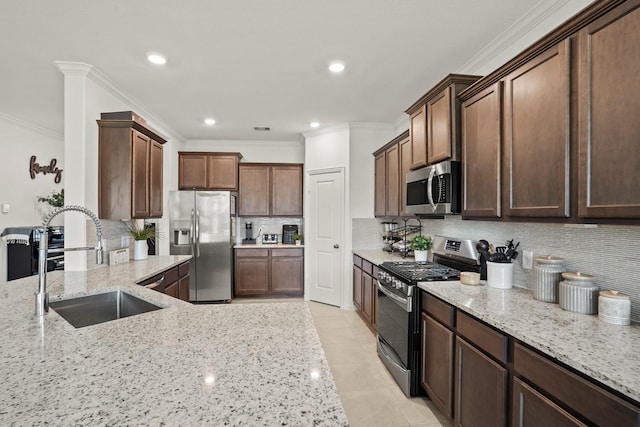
x=405, y=303
x=387, y=354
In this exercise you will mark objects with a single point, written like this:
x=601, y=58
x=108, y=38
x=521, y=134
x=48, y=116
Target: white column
x=75, y=223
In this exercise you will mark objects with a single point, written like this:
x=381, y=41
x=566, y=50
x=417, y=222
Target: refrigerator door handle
x=197, y=234
x=191, y=231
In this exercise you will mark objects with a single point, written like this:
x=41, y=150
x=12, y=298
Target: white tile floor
x=369, y=394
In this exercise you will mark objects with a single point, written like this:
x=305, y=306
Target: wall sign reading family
x=35, y=168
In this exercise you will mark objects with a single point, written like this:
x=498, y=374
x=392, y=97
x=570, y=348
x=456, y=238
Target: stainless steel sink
x=99, y=308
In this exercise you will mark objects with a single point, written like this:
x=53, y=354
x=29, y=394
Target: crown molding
x=27, y=125
x=98, y=77
x=519, y=29
x=330, y=129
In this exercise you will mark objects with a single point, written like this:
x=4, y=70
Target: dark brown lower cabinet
x=436, y=374
x=531, y=408
x=365, y=291
x=171, y=282
x=480, y=388
x=264, y=272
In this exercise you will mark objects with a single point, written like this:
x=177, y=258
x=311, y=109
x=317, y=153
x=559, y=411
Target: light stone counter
x=608, y=353
x=233, y=364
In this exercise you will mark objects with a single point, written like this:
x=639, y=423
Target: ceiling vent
x=262, y=128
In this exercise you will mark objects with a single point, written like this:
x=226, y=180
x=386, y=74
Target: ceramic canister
x=547, y=274
x=614, y=307
x=578, y=293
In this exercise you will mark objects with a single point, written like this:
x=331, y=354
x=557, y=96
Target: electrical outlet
x=527, y=259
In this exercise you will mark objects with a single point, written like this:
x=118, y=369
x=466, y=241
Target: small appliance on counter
x=288, y=230
x=268, y=238
x=248, y=230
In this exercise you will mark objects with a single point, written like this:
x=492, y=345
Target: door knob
x=336, y=246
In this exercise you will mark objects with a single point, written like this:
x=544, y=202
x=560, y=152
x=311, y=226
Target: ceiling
x=245, y=63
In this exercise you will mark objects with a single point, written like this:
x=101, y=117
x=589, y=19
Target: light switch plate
x=527, y=260
x=5, y=208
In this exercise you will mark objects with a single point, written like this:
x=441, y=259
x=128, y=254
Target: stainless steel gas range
x=399, y=304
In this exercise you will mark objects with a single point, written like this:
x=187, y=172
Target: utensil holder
x=500, y=275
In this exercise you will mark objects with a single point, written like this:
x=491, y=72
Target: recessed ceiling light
x=336, y=67
x=209, y=122
x=157, y=59
x=314, y=124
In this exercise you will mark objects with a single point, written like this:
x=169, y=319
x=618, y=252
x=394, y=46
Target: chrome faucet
x=42, y=297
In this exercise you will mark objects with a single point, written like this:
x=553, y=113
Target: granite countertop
x=378, y=256
x=608, y=353
x=229, y=364
x=266, y=246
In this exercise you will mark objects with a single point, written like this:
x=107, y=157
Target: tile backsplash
x=268, y=225
x=611, y=253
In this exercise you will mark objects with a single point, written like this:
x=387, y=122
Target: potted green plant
x=141, y=234
x=298, y=238
x=56, y=199
x=421, y=246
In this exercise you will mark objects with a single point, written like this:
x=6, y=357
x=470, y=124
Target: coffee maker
x=288, y=230
x=248, y=230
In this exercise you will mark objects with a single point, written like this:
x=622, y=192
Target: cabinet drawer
x=486, y=338
x=286, y=252
x=252, y=253
x=595, y=403
x=171, y=276
x=438, y=309
x=183, y=269
x=357, y=261
x=367, y=267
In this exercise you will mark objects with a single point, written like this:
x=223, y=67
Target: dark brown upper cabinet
x=129, y=168
x=208, y=171
x=609, y=107
x=435, y=122
x=537, y=136
x=391, y=163
x=481, y=145
x=270, y=189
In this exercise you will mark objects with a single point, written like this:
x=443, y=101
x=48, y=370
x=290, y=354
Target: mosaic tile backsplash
x=611, y=253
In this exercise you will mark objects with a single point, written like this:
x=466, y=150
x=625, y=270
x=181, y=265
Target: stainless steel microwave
x=434, y=189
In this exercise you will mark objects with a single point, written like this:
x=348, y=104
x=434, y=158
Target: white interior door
x=324, y=236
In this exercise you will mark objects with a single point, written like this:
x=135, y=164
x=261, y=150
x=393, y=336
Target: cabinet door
x=287, y=271
x=481, y=142
x=252, y=275
x=418, y=136
x=393, y=181
x=436, y=374
x=222, y=172
x=172, y=290
x=380, y=184
x=183, y=288
x=405, y=167
x=253, y=194
x=439, y=137
x=286, y=190
x=357, y=287
x=155, y=180
x=537, y=99
x=367, y=297
x=480, y=388
x=192, y=171
x=141, y=152
x=530, y=408
x=609, y=153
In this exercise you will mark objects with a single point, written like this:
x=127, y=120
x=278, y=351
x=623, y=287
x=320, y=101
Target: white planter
x=420, y=255
x=140, y=250
x=298, y=242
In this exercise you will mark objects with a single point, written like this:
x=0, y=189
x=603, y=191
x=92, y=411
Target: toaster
x=269, y=238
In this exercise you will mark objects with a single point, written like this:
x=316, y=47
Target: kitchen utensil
x=492, y=249
x=469, y=278
x=483, y=247
x=547, y=274
x=500, y=275
x=578, y=293
x=614, y=307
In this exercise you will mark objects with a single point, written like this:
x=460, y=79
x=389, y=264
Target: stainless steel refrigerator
x=202, y=224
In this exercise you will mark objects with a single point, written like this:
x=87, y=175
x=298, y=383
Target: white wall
x=19, y=141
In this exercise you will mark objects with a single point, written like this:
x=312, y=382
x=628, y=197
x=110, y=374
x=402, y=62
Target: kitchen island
x=236, y=364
